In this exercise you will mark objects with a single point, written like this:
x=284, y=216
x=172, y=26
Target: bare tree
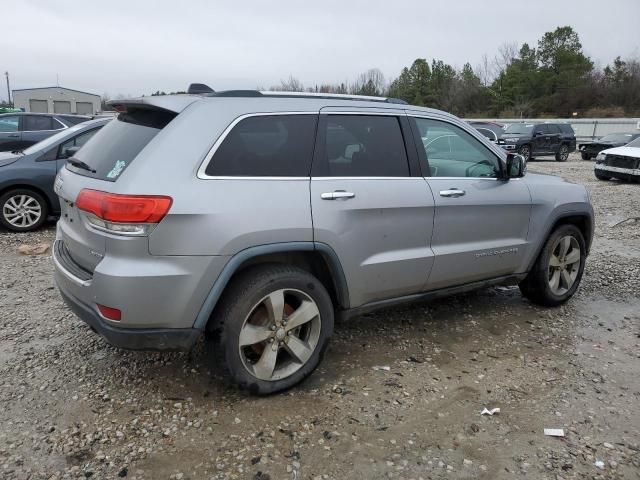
x=507, y=52
x=290, y=85
x=371, y=82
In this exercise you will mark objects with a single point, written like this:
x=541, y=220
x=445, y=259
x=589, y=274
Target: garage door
x=38, y=106
x=84, y=108
x=60, y=106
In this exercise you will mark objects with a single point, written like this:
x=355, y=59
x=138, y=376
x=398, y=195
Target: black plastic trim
x=158, y=339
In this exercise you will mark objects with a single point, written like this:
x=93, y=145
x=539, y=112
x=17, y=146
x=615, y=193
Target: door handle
x=452, y=192
x=338, y=194
x=14, y=136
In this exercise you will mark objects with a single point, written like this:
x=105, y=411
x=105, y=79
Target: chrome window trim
x=205, y=162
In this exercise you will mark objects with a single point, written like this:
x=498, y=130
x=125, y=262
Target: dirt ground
x=71, y=406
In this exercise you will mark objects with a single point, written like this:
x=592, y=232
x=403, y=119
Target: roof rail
x=200, y=89
x=340, y=96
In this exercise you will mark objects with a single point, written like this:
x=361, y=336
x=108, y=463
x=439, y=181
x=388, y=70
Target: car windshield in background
x=52, y=140
x=635, y=143
x=519, y=128
x=118, y=143
x=617, y=138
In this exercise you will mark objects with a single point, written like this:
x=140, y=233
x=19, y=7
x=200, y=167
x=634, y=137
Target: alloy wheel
x=525, y=152
x=564, y=264
x=280, y=334
x=564, y=153
x=22, y=211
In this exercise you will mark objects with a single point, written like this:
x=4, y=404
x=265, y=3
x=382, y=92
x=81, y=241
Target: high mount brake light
x=123, y=214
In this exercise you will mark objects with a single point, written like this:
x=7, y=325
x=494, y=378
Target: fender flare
x=557, y=218
x=243, y=256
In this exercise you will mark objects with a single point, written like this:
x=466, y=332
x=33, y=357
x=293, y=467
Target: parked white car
x=622, y=163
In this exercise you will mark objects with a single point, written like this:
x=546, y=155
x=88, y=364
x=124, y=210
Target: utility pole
x=6, y=74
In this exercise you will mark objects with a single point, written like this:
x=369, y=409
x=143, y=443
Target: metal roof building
x=56, y=100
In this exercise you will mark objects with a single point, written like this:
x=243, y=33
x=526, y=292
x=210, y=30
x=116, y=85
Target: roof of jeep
x=278, y=101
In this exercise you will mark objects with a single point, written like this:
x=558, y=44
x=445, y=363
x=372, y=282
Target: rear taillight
x=123, y=214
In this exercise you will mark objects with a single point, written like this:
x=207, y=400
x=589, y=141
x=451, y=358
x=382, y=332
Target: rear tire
x=271, y=328
x=22, y=210
x=599, y=176
x=556, y=275
x=585, y=156
x=562, y=154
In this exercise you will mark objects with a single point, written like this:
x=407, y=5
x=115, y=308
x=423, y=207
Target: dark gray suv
x=257, y=217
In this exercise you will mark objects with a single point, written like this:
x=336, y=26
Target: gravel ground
x=71, y=406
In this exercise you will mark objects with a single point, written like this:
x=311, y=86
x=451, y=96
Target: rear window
x=566, y=128
x=266, y=146
x=73, y=120
x=118, y=143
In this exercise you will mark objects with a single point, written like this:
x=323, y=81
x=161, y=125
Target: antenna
x=6, y=74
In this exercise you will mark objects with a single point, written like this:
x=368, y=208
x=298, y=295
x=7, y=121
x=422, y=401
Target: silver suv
x=258, y=217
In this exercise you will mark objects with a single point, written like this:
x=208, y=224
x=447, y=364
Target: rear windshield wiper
x=80, y=164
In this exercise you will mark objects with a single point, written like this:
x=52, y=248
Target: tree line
x=555, y=78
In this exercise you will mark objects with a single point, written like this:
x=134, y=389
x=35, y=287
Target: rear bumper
x=131, y=338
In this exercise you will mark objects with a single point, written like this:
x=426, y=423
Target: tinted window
x=266, y=146
x=363, y=146
x=119, y=142
x=33, y=123
x=9, y=124
x=73, y=120
x=541, y=129
x=553, y=128
x=451, y=152
x=566, y=128
x=77, y=141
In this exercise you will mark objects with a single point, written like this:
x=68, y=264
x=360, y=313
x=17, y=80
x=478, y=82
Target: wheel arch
x=582, y=220
x=317, y=258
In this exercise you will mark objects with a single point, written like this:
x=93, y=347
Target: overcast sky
x=135, y=47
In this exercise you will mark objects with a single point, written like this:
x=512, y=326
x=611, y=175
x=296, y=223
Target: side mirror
x=516, y=166
x=537, y=134
x=70, y=152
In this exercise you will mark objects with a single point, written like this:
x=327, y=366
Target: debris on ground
x=493, y=411
x=37, y=249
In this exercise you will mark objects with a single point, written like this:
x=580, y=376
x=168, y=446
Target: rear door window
x=266, y=146
x=118, y=143
x=35, y=123
x=362, y=146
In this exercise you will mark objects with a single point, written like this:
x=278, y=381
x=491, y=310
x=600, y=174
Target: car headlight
x=601, y=157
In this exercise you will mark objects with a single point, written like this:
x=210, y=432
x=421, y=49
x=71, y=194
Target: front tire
x=22, y=210
x=271, y=328
x=525, y=151
x=562, y=154
x=600, y=176
x=556, y=275
x=585, y=156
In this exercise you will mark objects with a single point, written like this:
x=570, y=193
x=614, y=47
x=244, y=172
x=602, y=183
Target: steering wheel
x=469, y=171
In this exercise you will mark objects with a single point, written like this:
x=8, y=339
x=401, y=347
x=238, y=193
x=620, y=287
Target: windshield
x=617, y=138
x=519, y=128
x=635, y=143
x=53, y=139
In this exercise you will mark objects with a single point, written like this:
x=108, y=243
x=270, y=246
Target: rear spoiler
x=172, y=103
